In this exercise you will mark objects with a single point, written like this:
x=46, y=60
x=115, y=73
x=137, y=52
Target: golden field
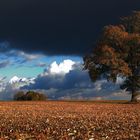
x=55, y=120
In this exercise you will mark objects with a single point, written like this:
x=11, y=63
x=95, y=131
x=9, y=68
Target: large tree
x=117, y=54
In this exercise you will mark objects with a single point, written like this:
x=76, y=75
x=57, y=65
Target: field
x=54, y=120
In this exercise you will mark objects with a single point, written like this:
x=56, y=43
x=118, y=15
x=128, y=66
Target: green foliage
x=29, y=96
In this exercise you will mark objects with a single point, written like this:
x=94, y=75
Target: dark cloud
x=4, y=47
x=53, y=27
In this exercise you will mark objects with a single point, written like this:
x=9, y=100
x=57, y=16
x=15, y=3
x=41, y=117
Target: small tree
x=118, y=54
x=29, y=96
x=34, y=96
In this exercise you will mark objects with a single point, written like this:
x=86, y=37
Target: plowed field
x=54, y=120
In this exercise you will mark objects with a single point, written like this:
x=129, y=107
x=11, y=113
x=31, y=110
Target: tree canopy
x=117, y=53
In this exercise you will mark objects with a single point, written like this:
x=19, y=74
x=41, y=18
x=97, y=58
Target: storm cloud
x=64, y=27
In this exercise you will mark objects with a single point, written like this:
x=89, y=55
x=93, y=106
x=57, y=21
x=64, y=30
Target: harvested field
x=54, y=120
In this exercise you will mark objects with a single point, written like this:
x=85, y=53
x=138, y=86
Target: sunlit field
x=54, y=120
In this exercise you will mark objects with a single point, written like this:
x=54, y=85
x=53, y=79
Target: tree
x=117, y=54
x=29, y=96
x=34, y=96
x=19, y=96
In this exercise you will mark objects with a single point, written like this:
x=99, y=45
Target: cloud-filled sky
x=64, y=27
x=37, y=35
x=65, y=80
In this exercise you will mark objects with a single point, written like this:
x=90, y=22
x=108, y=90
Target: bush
x=29, y=96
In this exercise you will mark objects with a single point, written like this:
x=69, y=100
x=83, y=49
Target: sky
x=42, y=44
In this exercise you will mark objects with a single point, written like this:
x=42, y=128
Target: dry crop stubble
x=54, y=120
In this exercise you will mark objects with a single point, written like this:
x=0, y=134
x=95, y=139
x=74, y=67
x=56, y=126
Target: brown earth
x=54, y=120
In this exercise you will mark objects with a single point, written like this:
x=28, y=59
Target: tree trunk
x=134, y=97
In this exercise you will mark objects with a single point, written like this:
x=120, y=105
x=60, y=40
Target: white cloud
x=14, y=80
x=62, y=68
x=21, y=81
x=98, y=85
x=2, y=83
x=9, y=88
x=27, y=56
